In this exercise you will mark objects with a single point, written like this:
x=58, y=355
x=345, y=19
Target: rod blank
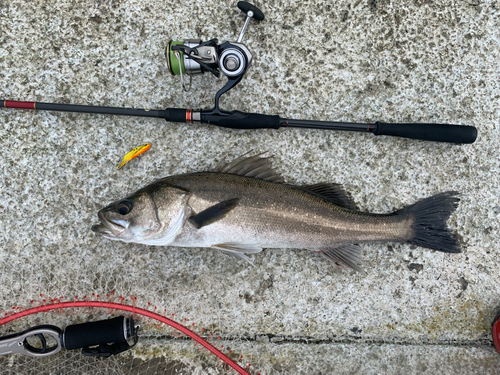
x=82, y=108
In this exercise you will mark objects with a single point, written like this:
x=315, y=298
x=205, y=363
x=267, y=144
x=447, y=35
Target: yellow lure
x=134, y=153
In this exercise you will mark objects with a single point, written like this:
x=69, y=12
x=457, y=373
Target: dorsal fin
x=250, y=166
x=334, y=193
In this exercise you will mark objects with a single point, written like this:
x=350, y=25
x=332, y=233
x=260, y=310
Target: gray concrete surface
x=414, y=311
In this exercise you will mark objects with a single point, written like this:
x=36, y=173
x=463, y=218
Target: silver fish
x=244, y=206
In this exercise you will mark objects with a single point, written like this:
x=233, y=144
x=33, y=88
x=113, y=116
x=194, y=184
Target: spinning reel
x=192, y=57
x=232, y=59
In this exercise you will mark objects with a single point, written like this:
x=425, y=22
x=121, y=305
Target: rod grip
x=242, y=120
x=429, y=132
x=96, y=333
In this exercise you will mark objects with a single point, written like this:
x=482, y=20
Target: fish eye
x=124, y=207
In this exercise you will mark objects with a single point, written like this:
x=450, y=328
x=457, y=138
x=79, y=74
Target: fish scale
x=278, y=215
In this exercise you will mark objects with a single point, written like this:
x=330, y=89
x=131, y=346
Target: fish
x=244, y=206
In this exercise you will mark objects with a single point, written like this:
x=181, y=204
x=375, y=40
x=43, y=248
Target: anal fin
x=238, y=255
x=214, y=213
x=348, y=255
x=238, y=249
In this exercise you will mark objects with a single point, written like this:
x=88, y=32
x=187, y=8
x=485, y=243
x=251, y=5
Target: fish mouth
x=107, y=227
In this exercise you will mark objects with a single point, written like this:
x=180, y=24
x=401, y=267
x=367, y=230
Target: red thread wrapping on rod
x=20, y=105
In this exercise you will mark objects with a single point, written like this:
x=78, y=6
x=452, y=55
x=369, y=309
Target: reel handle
x=246, y=7
x=250, y=11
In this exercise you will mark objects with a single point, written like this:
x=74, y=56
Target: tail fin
x=430, y=228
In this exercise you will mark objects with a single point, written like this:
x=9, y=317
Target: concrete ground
x=414, y=311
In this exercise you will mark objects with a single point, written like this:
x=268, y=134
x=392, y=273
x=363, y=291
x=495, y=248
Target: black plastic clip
x=107, y=350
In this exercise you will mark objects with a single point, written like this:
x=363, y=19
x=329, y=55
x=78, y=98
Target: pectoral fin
x=349, y=255
x=214, y=213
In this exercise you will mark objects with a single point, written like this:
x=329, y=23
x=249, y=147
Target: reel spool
x=232, y=59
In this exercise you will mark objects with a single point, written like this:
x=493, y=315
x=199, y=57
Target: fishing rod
x=192, y=57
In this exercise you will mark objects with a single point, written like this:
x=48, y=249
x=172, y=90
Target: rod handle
x=242, y=120
x=429, y=132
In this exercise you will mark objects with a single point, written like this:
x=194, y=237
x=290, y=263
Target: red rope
x=496, y=335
